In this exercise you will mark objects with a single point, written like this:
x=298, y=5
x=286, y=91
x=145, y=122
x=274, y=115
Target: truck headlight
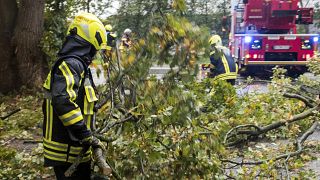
x=248, y=39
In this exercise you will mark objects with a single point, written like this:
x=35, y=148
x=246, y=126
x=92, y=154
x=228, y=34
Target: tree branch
x=113, y=124
x=101, y=162
x=261, y=130
x=305, y=100
x=74, y=166
x=110, y=139
x=10, y=114
x=295, y=118
x=298, y=151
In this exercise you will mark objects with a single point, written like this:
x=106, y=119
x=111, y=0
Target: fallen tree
x=305, y=92
x=244, y=132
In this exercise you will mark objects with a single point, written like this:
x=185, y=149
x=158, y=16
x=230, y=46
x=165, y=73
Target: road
x=159, y=72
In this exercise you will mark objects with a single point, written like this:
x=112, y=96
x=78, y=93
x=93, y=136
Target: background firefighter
x=224, y=66
x=111, y=37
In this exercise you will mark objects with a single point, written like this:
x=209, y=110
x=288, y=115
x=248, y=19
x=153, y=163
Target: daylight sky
x=112, y=10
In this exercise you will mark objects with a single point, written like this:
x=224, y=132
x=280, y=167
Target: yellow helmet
x=108, y=27
x=215, y=40
x=90, y=28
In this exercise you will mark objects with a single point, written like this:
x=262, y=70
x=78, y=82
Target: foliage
x=56, y=21
x=22, y=165
x=180, y=122
x=17, y=159
x=56, y=25
x=138, y=15
x=316, y=14
x=201, y=13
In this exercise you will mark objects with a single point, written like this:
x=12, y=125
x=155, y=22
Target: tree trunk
x=88, y=5
x=24, y=62
x=8, y=13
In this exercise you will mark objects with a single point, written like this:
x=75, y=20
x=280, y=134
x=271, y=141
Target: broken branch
x=74, y=166
x=101, y=162
x=298, y=151
x=261, y=130
x=307, y=101
x=10, y=114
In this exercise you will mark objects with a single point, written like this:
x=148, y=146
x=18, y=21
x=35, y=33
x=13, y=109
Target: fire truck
x=264, y=33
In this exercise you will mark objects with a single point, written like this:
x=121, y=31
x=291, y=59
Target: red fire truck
x=264, y=32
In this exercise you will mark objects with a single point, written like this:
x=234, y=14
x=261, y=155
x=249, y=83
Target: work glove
x=93, y=142
x=108, y=53
x=105, y=66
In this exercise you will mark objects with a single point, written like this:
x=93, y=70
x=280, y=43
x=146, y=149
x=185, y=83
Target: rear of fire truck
x=264, y=34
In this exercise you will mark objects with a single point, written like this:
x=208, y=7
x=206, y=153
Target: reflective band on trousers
x=63, y=157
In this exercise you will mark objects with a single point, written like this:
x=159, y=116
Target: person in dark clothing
x=126, y=42
x=70, y=98
x=224, y=66
x=111, y=37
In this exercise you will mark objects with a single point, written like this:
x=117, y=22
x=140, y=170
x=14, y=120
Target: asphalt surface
x=160, y=71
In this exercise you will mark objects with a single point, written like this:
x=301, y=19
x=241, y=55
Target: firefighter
x=224, y=66
x=70, y=98
x=110, y=40
x=126, y=40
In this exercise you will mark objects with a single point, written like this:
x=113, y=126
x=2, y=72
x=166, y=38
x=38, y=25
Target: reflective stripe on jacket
x=68, y=111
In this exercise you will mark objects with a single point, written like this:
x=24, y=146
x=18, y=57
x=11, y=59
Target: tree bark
x=27, y=37
x=8, y=13
x=23, y=62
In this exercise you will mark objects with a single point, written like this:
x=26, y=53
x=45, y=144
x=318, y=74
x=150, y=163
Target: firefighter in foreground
x=224, y=66
x=70, y=97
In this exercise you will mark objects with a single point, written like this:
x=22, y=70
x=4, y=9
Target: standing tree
x=317, y=14
x=22, y=60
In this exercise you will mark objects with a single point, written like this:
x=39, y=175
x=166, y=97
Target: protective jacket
x=224, y=65
x=68, y=105
x=110, y=40
x=125, y=43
